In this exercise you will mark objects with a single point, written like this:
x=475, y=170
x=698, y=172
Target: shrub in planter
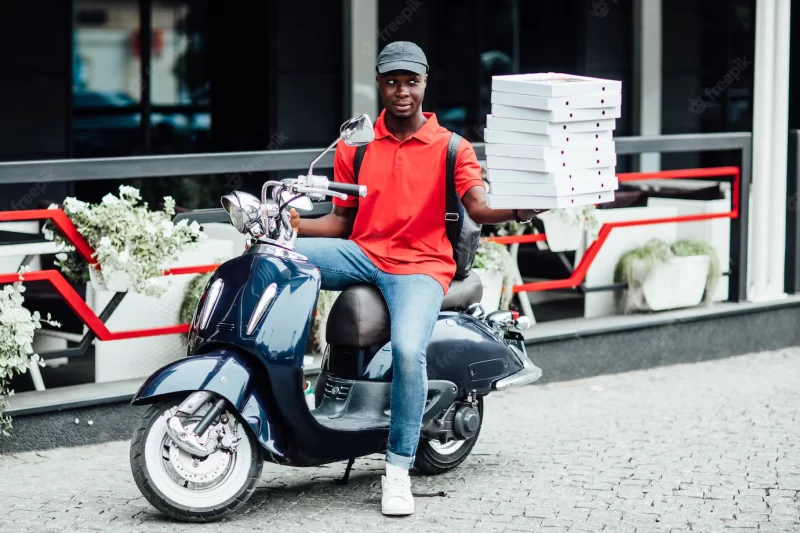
x=565, y=227
x=493, y=263
x=132, y=243
x=191, y=297
x=17, y=326
x=661, y=275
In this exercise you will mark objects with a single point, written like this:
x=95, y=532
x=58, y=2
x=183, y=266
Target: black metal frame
x=792, y=273
x=86, y=342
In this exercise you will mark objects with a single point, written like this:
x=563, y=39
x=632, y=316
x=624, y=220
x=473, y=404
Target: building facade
x=238, y=76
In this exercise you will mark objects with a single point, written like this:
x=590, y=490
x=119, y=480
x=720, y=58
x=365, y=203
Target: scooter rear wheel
x=185, y=487
x=433, y=457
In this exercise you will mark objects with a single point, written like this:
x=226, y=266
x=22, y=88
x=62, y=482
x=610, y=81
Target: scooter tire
x=430, y=461
x=172, y=509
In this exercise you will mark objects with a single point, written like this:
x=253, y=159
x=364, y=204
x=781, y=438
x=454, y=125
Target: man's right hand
x=295, y=219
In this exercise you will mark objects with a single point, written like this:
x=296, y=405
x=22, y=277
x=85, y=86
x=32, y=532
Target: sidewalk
x=702, y=447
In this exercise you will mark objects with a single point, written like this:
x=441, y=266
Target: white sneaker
x=397, y=499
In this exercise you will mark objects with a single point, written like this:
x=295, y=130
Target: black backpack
x=463, y=233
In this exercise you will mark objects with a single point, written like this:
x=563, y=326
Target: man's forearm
x=330, y=225
x=484, y=215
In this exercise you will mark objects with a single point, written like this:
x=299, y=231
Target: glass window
x=106, y=87
x=180, y=77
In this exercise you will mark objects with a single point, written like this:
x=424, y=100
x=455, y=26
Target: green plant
x=127, y=238
x=583, y=216
x=194, y=289
x=494, y=257
x=635, y=265
x=324, y=305
x=17, y=326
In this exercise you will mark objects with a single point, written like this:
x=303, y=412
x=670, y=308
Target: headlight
x=244, y=210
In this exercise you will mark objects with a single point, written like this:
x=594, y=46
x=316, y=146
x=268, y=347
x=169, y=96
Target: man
x=397, y=240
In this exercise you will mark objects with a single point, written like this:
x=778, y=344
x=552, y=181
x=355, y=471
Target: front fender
x=226, y=373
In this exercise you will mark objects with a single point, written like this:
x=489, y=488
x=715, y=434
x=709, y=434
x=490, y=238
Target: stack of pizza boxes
x=549, y=141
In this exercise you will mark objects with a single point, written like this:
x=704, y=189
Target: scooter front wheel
x=188, y=487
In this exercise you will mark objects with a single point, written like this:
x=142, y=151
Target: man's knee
x=408, y=356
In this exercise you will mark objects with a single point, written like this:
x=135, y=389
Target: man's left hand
x=527, y=214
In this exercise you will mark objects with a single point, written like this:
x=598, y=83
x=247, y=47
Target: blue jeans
x=414, y=302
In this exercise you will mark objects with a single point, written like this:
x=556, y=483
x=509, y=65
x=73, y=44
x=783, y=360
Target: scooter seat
x=360, y=318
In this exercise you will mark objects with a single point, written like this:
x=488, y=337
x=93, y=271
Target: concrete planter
x=679, y=282
x=492, y=281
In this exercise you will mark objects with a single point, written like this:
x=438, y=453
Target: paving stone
x=712, y=445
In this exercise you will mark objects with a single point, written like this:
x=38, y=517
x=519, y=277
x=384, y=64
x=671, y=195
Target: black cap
x=402, y=55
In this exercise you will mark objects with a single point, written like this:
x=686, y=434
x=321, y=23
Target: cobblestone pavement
x=702, y=447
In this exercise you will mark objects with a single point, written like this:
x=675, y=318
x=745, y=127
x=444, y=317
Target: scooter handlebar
x=349, y=189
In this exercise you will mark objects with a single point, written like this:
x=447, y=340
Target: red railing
x=579, y=274
x=73, y=299
x=93, y=322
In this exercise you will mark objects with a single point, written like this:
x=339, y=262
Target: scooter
x=237, y=398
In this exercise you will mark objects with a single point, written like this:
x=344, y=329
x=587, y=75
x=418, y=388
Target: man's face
x=402, y=92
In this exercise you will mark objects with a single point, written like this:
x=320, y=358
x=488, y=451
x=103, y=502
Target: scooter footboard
x=224, y=372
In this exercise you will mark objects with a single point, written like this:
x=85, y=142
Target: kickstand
x=346, y=477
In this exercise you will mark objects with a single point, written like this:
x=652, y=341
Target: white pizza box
x=548, y=165
x=559, y=176
x=552, y=189
x=548, y=202
x=589, y=101
x=556, y=115
x=540, y=127
x=554, y=84
x=558, y=153
x=553, y=140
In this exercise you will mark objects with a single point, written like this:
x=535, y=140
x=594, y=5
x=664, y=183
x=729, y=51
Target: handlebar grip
x=348, y=188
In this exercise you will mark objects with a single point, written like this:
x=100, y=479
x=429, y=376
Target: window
x=129, y=98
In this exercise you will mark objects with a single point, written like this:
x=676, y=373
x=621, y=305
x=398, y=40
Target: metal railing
x=282, y=160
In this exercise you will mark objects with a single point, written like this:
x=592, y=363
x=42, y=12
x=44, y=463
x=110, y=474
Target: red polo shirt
x=400, y=224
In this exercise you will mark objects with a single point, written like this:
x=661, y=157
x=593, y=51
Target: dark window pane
x=180, y=86
x=106, y=120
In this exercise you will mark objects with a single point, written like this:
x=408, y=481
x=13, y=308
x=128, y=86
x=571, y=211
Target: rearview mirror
x=303, y=203
x=357, y=131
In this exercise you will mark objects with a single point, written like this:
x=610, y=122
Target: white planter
x=138, y=358
x=113, y=281
x=562, y=236
x=492, y=282
x=677, y=283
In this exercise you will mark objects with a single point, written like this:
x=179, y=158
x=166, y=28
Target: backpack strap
x=454, y=211
x=359, y=158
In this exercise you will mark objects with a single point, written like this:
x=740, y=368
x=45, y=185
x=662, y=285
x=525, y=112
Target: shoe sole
x=398, y=513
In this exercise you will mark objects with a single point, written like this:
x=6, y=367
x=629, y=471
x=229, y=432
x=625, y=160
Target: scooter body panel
x=462, y=350
x=261, y=373
x=274, y=405
x=282, y=332
x=226, y=373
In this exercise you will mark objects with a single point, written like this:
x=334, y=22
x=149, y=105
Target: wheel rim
x=448, y=448
x=192, y=483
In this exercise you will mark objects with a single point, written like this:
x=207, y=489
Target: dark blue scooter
x=238, y=396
